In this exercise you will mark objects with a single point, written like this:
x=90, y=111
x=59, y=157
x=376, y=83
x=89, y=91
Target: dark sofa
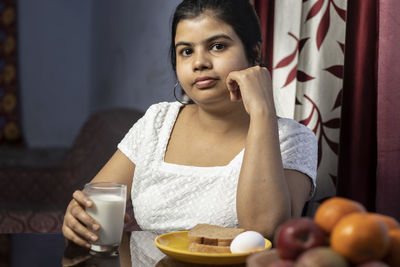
x=34, y=198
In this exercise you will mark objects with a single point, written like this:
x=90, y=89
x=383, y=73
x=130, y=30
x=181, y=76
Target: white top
x=170, y=197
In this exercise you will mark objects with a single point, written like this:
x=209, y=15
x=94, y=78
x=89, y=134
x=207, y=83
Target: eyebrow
x=208, y=40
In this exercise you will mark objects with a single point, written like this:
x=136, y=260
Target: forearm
x=263, y=200
x=118, y=169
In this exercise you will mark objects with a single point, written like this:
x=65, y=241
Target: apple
x=321, y=257
x=296, y=236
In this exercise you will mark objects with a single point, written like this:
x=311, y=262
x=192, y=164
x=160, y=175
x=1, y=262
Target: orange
x=391, y=222
x=393, y=256
x=333, y=209
x=360, y=237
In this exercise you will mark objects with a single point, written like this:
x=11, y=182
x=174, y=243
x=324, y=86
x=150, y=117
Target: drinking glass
x=108, y=209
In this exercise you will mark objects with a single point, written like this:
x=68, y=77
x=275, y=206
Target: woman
x=226, y=158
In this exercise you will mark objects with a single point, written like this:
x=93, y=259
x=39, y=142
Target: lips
x=205, y=82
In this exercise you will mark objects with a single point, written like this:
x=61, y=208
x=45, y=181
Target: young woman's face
x=207, y=50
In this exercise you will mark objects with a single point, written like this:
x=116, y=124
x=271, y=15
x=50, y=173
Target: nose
x=201, y=60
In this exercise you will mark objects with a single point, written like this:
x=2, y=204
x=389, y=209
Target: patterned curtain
x=308, y=39
x=9, y=111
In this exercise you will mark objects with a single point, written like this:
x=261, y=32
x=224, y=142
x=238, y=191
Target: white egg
x=247, y=241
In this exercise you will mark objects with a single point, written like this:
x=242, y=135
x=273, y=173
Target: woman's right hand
x=78, y=226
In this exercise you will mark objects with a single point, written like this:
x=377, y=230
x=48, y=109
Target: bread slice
x=212, y=238
x=194, y=247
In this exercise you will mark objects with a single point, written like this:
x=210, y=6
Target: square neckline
x=175, y=113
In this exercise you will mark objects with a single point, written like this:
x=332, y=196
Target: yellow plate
x=176, y=246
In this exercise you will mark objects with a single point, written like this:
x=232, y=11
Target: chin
x=220, y=105
x=211, y=101
x=210, y=95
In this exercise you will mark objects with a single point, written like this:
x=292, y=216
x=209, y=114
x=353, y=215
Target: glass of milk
x=108, y=209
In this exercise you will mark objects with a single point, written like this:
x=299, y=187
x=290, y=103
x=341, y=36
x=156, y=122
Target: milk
x=108, y=210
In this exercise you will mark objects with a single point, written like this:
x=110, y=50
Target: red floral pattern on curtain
x=307, y=70
x=9, y=113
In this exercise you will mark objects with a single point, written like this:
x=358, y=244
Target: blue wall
x=130, y=53
x=80, y=56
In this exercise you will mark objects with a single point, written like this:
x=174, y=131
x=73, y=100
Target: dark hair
x=239, y=14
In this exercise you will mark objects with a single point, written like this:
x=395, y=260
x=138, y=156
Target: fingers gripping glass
x=108, y=209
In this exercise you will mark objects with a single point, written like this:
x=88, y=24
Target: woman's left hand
x=253, y=86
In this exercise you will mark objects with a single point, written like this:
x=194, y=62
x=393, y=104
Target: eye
x=186, y=52
x=218, y=47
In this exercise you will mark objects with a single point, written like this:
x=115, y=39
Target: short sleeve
x=144, y=138
x=130, y=144
x=299, y=148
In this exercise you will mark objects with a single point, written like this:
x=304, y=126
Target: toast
x=194, y=247
x=209, y=238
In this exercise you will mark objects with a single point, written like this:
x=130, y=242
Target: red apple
x=296, y=236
